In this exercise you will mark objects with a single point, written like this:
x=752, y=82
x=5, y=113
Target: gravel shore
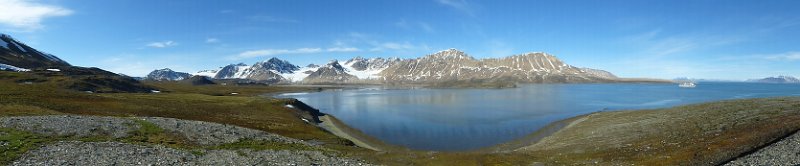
x=783, y=152
x=199, y=132
x=207, y=133
x=116, y=153
x=81, y=126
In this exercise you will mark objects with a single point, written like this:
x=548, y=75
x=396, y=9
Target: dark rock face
x=167, y=74
x=265, y=76
x=15, y=53
x=281, y=66
x=93, y=79
x=332, y=72
x=358, y=63
x=200, y=80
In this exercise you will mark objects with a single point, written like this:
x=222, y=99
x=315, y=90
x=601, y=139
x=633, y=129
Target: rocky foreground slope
x=783, y=152
x=209, y=139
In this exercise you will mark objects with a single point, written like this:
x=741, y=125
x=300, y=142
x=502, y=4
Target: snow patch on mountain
x=12, y=68
x=207, y=73
x=300, y=74
x=368, y=68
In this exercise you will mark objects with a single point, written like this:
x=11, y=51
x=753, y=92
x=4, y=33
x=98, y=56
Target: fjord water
x=464, y=119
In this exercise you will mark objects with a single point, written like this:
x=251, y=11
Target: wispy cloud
x=25, y=15
x=374, y=44
x=163, y=44
x=212, y=40
x=423, y=26
x=460, y=5
x=273, y=52
x=266, y=18
x=426, y=27
x=655, y=44
x=788, y=56
x=342, y=49
x=392, y=46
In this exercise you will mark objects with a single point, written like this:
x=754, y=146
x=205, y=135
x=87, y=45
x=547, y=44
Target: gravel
x=199, y=132
x=784, y=152
x=207, y=133
x=103, y=153
x=81, y=126
x=114, y=153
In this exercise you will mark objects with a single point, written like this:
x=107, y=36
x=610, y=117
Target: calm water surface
x=463, y=119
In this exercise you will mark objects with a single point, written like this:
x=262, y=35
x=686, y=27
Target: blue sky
x=727, y=39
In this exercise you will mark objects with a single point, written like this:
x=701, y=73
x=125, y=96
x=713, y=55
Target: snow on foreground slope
x=12, y=68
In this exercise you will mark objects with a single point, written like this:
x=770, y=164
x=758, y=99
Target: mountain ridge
x=446, y=67
x=16, y=55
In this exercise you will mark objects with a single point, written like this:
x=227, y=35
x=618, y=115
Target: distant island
x=778, y=79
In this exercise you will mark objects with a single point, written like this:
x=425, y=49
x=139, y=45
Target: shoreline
x=536, y=136
x=335, y=128
x=331, y=124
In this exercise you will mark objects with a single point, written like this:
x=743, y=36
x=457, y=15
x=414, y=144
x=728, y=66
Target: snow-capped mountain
x=368, y=68
x=779, y=79
x=232, y=71
x=333, y=72
x=15, y=55
x=167, y=74
x=448, y=66
x=455, y=65
x=269, y=71
x=276, y=65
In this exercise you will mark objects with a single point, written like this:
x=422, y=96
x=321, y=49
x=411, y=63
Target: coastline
x=335, y=127
x=536, y=136
x=696, y=134
x=332, y=125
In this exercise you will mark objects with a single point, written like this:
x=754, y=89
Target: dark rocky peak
x=276, y=64
x=167, y=74
x=335, y=65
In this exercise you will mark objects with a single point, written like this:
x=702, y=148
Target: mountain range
x=446, y=67
x=778, y=79
x=449, y=65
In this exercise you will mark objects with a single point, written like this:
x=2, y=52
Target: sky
x=719, y=39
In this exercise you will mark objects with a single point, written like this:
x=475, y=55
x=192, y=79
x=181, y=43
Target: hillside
x=19, y=55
